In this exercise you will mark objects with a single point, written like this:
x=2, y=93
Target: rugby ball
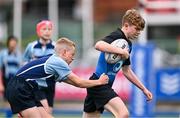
x=113, y=58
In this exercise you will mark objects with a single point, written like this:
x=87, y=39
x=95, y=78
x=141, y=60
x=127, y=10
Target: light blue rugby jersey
x=43, y=69
x=36, y=50
x=10, y=63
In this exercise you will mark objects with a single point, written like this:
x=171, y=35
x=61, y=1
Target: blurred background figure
x=10, y=61
x=43, y=46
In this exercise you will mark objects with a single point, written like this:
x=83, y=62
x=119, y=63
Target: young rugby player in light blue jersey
x=37, y=49
x=21, y=88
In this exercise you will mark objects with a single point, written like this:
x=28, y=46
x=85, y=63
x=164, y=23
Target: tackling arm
x=74, y=80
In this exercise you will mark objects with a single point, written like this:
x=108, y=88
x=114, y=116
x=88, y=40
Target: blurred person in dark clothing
x=10, y=61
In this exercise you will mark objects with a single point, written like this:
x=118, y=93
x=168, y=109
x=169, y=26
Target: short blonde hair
x=133, y=17
x=64, y=43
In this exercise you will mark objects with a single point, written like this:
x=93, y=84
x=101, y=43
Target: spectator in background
x=42, y=47
x=10, y=61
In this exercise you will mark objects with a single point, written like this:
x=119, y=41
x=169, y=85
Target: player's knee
x=91, y=115
x=124, y=114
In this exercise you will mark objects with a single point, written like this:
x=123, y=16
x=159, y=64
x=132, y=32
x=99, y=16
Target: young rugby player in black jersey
x=104, y=97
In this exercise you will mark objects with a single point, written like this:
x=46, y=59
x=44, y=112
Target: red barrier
x=1, y=84
x=68, y=92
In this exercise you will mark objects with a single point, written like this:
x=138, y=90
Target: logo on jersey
x=117, y=66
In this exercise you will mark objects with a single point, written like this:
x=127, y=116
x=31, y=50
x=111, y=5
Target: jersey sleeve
x=19, y=58
x=108, y=40
x=27, y=53
x=127, y=62
x=58, y=67
x=1, y=59
x=111, y=37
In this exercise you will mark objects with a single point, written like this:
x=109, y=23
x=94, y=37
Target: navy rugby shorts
x=98, y=96
x=20, y=95
x=46, y=93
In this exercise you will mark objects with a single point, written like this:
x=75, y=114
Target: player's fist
x=104, y=79
x=148, y=94
x=125, y=54
x=1, y=88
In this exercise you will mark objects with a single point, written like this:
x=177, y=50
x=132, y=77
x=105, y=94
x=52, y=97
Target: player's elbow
x=80, y=84
x=126, y=69
x=98, y=45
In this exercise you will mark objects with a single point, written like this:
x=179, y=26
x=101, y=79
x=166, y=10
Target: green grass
x=77, y=116
x=2, y=115
x=60, y=116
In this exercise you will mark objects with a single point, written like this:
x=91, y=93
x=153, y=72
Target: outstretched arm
x=75, y=80
x=130, y=75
